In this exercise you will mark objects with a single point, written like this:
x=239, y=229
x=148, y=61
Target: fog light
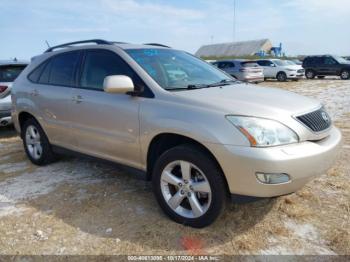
x=272, y=178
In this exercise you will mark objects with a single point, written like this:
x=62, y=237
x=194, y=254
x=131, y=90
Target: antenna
x=47, y=43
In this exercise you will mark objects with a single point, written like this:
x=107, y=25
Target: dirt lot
x=79, y=206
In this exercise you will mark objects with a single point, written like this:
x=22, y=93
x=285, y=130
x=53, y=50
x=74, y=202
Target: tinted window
x=264, y=63
x=9, y=73
x=63, y=68
x=223, y=65
x=44, y=77
x=101, y=63
x=329, y=61
x=36, y=73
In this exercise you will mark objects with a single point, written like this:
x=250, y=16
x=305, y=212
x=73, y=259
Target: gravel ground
x=79, y=206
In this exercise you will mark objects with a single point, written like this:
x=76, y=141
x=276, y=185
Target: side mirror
x=118, y=84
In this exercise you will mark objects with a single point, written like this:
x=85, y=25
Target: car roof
x=13, y=62
x=86, y=44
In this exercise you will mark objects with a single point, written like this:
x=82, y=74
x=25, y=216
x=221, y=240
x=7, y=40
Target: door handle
x=34, y=92
x=77, y=99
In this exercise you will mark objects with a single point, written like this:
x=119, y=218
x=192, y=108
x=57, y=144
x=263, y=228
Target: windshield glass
x=289, y=62
x=9, y=73
x=249, y=64
x=341, y=60
x=173, y=69
x=281, y=62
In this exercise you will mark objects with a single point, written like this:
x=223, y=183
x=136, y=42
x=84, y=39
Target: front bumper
x=294, y=75
x=301, y=162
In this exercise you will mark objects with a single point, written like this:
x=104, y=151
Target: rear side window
x=10, y=72
x=36, y=73
x=264, y=63
x=101, y=63
x=63, y=67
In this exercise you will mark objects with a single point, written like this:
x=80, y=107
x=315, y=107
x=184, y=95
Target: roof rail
x=156, y=44
x=96, y=41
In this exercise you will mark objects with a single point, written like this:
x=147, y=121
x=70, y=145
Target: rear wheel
x=189, y=186
x=282, y=77
x=345, y=74
x=36, y=143
x=310, y=74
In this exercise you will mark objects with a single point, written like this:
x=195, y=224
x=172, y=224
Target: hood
x=294, y=67
x=250, y=100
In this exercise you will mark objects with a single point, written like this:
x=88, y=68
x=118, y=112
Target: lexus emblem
x=325, y=116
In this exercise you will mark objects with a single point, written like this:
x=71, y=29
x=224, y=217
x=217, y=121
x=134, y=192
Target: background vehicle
x=9, y=70
x=280, y=69
x=297, y=61
x=326, y=65
x=197, y=133
x=243, y=70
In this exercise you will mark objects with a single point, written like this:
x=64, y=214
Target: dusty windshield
x=174, y=70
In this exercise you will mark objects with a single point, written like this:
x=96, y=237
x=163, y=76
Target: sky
x=302, y=26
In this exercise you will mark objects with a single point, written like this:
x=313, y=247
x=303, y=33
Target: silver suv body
x=9, y=70
x=243, y=70
x=198, y=134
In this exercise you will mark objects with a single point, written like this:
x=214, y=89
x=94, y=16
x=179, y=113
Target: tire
x=345, y=75
x=281, y=76
x=204, y=170
x=310, y=74
x=321, y=77
x=36, y=143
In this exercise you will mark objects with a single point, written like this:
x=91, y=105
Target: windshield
x=289, y=62
x=281, y=62
x=10, y=72
x=249, y=64
x=341, y=60
x=173, y=69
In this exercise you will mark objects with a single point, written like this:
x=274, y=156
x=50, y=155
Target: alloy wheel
x=185, y=189
x=33, y=142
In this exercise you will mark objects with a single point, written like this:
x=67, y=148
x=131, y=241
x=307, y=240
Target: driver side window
x=101, y=63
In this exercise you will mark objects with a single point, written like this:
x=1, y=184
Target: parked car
x=9, y=70
x=296, y=61
x=280, y=69
x=199, y=138
x=326, y=65
x=243, y=70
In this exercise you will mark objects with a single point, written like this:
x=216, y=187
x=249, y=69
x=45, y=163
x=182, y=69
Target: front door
x=107, y=125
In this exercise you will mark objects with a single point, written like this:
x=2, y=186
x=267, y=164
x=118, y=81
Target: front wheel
x=282, y=77
x=189, y=186
x=36, y=143
x=310, y=74
x=345, y=75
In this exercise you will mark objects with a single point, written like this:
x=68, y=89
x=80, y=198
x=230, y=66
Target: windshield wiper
x=199, y=86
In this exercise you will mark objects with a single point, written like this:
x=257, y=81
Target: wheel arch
x=165, y=141
x=22, y=118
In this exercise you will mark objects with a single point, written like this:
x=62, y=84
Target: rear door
x=330, y=66
x=51, y=92
x=106, y=125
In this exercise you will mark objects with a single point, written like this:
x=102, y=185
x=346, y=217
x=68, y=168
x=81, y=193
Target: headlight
x=263, y=132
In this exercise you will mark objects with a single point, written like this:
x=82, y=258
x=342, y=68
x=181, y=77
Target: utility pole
x=234, y=20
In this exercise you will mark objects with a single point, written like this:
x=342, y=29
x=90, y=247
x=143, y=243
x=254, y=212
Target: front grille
x=317, y=120
x=301, y=71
